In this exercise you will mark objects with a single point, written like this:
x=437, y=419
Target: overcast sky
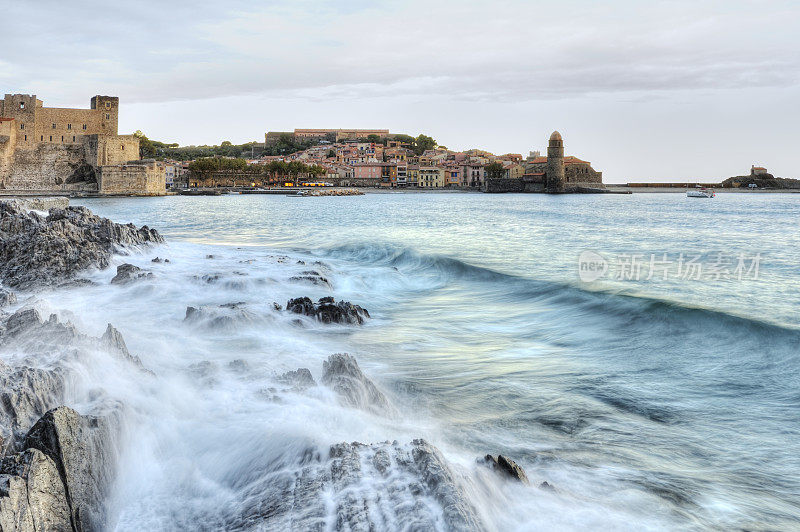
x=645, y=90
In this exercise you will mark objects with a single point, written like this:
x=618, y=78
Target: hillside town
x=378, y=159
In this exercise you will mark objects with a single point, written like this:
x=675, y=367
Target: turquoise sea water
x=659, y=401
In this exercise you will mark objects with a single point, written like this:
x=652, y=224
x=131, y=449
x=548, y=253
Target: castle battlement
x=60, y=149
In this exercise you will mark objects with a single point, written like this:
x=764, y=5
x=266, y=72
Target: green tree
x=422, y=143
x=495, y=170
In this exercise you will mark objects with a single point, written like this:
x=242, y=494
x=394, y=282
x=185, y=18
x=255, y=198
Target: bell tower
x=555, y=164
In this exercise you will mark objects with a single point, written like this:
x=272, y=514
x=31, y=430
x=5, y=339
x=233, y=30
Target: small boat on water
x=298, y=194
x=701, y=192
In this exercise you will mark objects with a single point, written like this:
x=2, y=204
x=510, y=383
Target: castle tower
x=555, y=164
x=109, y=113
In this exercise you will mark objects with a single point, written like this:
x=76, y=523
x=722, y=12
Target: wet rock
x=382, y=486
x=32, y=496
x=225, y=316
x=506, y=467
x=299, y=379
x=40, y=251
x=82, y=449
x=342, y=374
x=546, y=486
x=113, y=339
x=159, y=260
x=312, y=277
x=327, y=310
x=209, y=256
x=7, y=298
x=239, y=366
x=26, y=393
x=127, y=273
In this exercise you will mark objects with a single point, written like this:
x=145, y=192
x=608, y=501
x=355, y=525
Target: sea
x=638, y=355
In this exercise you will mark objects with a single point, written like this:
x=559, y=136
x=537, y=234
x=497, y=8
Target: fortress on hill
x=58, y=150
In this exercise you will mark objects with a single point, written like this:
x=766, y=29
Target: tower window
x=69, y=126
x=42, y=138
x=54, y=126
x=84, y=127
x=51, y=138
x=123, y=147
x=26, y=137
x=22, y=126
x=62, y=138
x=108, y=116
x=22, y=105
x=73, y=138
x=108, y=105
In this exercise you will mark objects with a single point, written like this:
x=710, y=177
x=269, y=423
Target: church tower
x=555, y=164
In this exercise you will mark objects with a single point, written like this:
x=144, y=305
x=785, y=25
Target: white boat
x=700, y=193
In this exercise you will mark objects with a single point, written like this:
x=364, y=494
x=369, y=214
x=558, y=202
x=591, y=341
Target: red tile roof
x=4, y=119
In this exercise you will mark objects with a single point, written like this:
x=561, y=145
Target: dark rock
x=277, y=306
x=127, y=273
x=159, y=260
x=546, y=486
x=7, y=298
x=327, y=310
x=32, y=496
x=239, y=366
x=44, y=251
x=299, y=379
x=209, y=256
x=82, y=449
x=311, y=276
x=342, y=374
x=506, y=467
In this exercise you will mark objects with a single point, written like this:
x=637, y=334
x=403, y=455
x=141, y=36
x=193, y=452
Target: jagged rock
x=382, y=486
x=82, y=449
x=159, y=260
x=506, y=467
x=327, y=310
x=127, y=273
x=342, y=374
x=299, y=379
x=26, y=393
x=32, y=496
x=7, y=298
x=113, y=339
x=311, y=276
x=39, y=251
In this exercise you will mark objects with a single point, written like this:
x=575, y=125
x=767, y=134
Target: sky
x=645, y=90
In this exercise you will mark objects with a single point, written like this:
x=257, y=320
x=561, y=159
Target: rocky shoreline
x=58, y=466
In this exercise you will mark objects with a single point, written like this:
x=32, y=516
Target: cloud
x=505, y=50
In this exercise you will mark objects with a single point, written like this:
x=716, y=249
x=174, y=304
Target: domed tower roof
x=555, y=136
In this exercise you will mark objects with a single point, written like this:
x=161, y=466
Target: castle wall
x=51, y=167
x=142, y=178
x=8, y=142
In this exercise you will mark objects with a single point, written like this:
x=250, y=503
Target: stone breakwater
x=59, y=465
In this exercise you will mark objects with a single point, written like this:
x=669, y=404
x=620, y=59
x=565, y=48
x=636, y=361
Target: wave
x=634, y=309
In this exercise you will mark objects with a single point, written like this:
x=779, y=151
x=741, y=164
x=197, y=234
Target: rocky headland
x=58, y=466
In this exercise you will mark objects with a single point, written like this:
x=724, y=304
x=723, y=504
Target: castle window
x=42, y=139
x=22, y=126
x=62, y=138
x=69, y=126
x=54, y=126
x=22, y=105
x=84, y=127
x=26, y=137
x=51, y=138
x=108, y=105
x=73, y=138
x=108, y=116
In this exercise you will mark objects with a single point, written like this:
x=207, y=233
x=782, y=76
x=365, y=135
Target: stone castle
x=58, y=150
